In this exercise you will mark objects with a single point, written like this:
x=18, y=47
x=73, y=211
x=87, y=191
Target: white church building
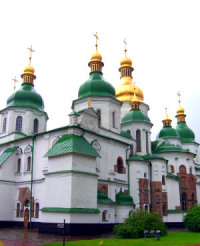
x=102, y=166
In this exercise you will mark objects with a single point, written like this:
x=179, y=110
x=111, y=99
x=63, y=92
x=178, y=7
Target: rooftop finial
x=31, y=51
x=96, y=36
x=179, y=97
x=125, y=44
x=15, y=81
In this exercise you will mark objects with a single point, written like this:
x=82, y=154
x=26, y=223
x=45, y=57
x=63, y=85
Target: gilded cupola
x=28, y=75
x=167, y=121
x=180, y=111
x=127, y=89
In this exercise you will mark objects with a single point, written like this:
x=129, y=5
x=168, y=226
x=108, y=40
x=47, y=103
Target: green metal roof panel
x=168, y=132
x=152, y=157
x=26, y=96
x=96, y=86
x=165, y=147
x=135, y=115
x=123, y=199
x=103, y=198
x=126, y=134
x=72, y=143
x=135, y=158
x=186, y=134
x=6, y=154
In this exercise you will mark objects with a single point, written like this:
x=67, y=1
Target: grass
x=173, y=239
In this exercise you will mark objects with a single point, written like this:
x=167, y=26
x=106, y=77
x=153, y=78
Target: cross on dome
x=31, y=51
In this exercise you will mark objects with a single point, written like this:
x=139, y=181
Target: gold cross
x=179, y=96
x=125, y=43
x=31, y=51
x=89, y=102
x=96, y=36
x=15, y=81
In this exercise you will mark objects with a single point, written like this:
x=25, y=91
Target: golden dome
x=125, y=93
x=180, y=110
x=126, y=62
x=96, y=56
x=29, y=69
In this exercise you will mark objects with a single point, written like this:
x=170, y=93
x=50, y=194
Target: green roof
x=70, y=210
x=135, y=115
x=126, y=134
x=74, y=113
x=96, y=86
x=172, y=176
x=152, y=157
x=26, y=97
x=123, y=199
x=165, y=147
x=186, y=134
x=103, y=198
x=135, y=158
x=6, y=154
x=72, y=143
x=168, y=132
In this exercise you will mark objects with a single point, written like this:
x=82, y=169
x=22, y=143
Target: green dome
x=186, y=134
x=27, y=97
x=123, y=199
x=135, y=115
x=164, y=147
x=168, y=132
x=103, y=198
x=96, y=86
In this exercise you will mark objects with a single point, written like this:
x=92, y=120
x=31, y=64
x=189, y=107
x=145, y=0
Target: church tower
x=24, y=114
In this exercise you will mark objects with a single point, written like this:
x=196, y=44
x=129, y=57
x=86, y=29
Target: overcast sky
x=163, y=41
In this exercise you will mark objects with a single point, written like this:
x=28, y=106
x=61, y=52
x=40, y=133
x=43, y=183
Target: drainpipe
x=33, y=138
x=150, y=165
x=128, y=170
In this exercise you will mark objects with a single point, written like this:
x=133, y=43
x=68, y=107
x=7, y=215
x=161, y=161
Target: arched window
x=37, y=209
x=138, y=140
x=19, y=165
x=120, y=165
x=4, y=124
x=18, y=210
x=99, y=116
x=131, y=149
x=164, y=210
x=113, y=119
x=163, y=180
x=184, y=201
x=145, y=175
x=28, y=164
x=182, y=169
x=146, y=208
x=172, y=169
x=35, y=126
x=147, y=142
x=104, y=215
x=19, y=123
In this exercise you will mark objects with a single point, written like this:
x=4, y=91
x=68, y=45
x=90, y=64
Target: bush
x=192, y=219
x=139, y=221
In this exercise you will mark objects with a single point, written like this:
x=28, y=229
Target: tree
x=139, y=221
x=192, y=219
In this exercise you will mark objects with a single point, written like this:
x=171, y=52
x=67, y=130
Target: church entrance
x=26, y=217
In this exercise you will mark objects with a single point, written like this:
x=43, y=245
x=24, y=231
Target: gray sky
x=163, y=41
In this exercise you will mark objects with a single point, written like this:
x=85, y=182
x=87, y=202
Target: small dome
x=96, y=86
x=126, y=62
x=125, y=92
x=135, y=115
x=180, y=110
x=26, y=97
x=96, y=56
x=168, y=132
x=29, y=69
x=122, y=198
x=186, y=134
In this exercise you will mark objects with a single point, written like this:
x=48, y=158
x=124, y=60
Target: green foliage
x=139, y=221
x=192, y=219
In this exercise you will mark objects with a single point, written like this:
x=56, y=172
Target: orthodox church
x=95, y=171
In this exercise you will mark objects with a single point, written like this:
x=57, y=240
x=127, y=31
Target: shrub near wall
x=139, y=221
x=192, y=219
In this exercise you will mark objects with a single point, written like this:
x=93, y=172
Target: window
x=104, y=215
x=164, y=210
x=182, y=169
x=190, y=170
x=4, y=124
x=35, y=126
x=145, y=175
x=18, y=165
x=29, y=164
x=113, y=119
x=138, y=140
x=193, y=199
x=37, y=209
x=184, y=201
x=163, y=180
x=147, y=142
x=120, y=165
x=19, y=123
x=172, y=169
x=146, y=208
x=99, y=116
x=18, y=210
